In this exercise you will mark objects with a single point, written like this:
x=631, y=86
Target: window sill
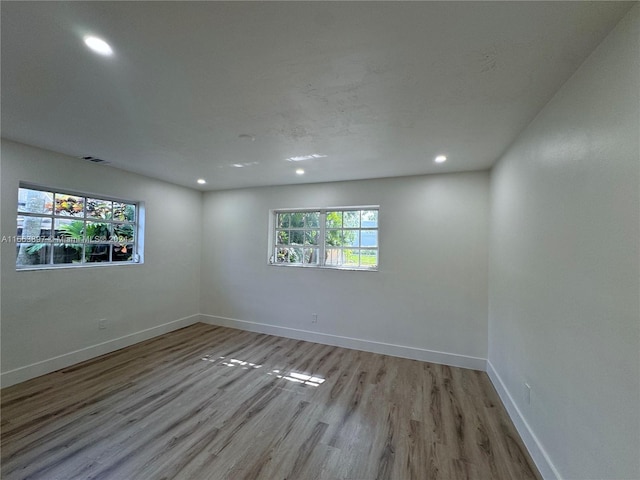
x=35, y=268
x=322, y=267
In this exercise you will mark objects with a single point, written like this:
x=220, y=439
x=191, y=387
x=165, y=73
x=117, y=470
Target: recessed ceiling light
x=440, y=159
x=98, y=45
x=201, y=181
x=244, y=164
x=302, y=158
x=299, y=171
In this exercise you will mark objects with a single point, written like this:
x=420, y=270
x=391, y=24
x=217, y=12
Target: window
x=343, y=238
x=67, y=229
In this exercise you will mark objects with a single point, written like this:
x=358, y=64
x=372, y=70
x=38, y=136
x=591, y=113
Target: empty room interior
x=320, y=240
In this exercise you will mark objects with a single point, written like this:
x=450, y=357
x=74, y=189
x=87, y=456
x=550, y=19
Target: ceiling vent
x=94, y=160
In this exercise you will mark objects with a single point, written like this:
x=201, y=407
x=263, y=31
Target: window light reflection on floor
x=295, y=377
x=232, y=362
x=292, y=376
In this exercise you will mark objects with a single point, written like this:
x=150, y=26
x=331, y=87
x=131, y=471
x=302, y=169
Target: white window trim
x=138, y=223
x=273, y=213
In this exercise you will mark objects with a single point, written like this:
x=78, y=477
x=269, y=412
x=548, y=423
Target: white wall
x=49, y=317
x=429, y=295
x=564, y=271
x=561, y=294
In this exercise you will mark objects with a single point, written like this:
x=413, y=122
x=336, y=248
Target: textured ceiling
x=229, y=91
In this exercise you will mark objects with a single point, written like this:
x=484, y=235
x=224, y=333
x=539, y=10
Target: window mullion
x=53, y=231
x=321, y=240
x=53, y=243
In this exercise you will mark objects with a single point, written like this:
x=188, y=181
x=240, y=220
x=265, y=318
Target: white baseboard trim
x=49, y=365
x=536, y=450
x=412, y=353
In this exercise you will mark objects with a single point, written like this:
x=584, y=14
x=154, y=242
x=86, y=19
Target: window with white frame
x=342, y=238
x=63, y=229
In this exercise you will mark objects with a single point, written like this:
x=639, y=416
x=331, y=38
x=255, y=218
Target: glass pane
x=67, y=253
x=311, y=256
x=297, y=220
x=69, y=231
x=69, y=205
x=282, y=255
x=369, y=238
x=33, y=229
x=351, y=219
x=289, y=255
x=33, y=254
x=351, y=238
x=97, y=252
x=282, y=237
x=34, y=201
x=333, y=256
x=351, y=258
x=311, y=237
x=369, y=219
x=122, y=253
x=296, y=255
x=283, y=220
x=369, y=258
x=297, y=237
x=97, y=208
x=125, y=212
x=97, y=232
x=334, y=220
x=122, y=233
x=333, y=238
x=312, y=219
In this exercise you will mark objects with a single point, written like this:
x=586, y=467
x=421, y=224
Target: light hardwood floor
x=208, y=402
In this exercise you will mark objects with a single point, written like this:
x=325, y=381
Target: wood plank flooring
x=215, y=403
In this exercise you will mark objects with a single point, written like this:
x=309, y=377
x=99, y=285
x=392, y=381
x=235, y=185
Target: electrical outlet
x=527, y=394
x=102, y=323
x=314, y=318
